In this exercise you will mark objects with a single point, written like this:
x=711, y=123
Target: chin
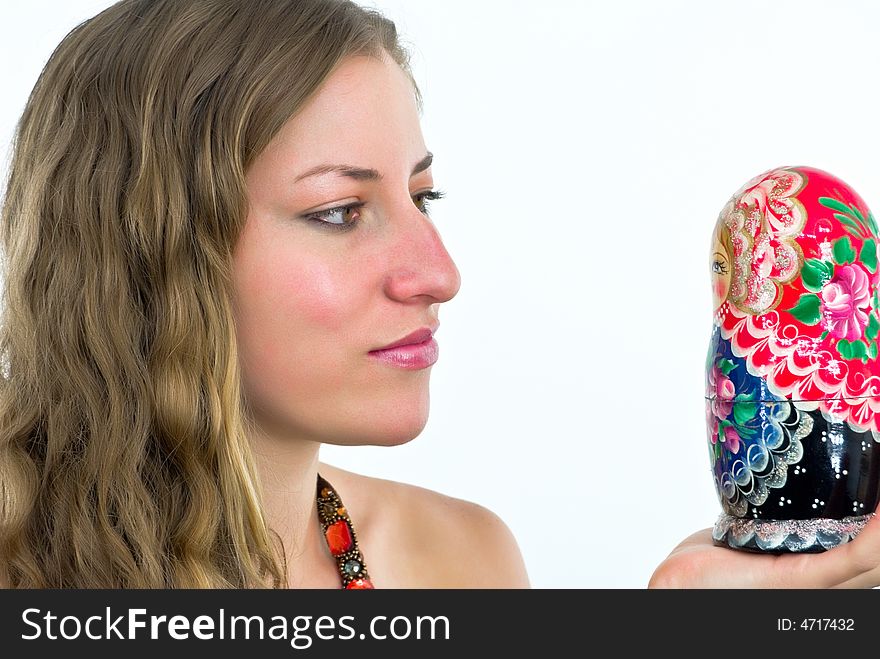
x=395, y=430
x=403, y=424
x=382, y=426
x=391, y=420
x=398, y=436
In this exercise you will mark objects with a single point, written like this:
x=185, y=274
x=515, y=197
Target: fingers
x=723, y=567
x=863, y=554
x=698, y=563
x=855, y=564
x=862, y=581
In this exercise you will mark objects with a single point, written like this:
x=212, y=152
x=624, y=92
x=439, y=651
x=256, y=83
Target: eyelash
x=719, y=267
x=321, y=216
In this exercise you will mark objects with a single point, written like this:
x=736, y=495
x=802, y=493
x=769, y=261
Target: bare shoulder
x=413, y=537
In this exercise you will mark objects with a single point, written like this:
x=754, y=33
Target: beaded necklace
x=341, y=538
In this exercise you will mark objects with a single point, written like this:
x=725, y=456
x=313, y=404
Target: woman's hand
x=698, y=563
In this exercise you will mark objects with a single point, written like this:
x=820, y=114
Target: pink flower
x=712, y=423
x=845, y=303
x=722, y=391
x=731, y=439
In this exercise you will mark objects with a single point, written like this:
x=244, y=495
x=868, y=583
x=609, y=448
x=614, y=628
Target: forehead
x=366, y=109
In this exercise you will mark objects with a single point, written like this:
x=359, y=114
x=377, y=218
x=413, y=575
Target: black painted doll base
x=826, y=498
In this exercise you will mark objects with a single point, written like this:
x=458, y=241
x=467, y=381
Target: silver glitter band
x=787, y=535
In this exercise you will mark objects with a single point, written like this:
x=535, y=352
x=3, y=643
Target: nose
x=421, y=266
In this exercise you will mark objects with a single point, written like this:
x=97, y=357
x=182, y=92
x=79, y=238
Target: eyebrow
x=359, y=173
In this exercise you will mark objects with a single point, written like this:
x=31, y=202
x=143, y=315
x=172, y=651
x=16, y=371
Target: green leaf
x=872, y=350
x=743, y=412
x=857, y=213
x=844, y=347
x=726, y=366
x=873, y=327
x=854, y=233
x=816, y=274
x=807, y=309
x=846, y=220
x=872, y=224
x=835, y=205
x=824, y=336
x=843, y=251
x=859, y=350
x=868, y=255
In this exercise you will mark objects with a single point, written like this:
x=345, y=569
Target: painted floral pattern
x=753, y=435
x=802, y=308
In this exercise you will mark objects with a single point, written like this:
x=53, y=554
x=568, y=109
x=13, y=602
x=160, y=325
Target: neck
x=288, y=471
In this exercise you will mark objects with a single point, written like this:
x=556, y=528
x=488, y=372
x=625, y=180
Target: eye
x=719, y=267
x=343, y=218
x=340, y=217
x=427, y=197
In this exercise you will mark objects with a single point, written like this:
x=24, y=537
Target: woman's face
x=316, y=294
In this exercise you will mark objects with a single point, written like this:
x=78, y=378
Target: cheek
x=284, y=282
x=299, y=324
x=720, y=288
x=297, y=304
x=315, y=295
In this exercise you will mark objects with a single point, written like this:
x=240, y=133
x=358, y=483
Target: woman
x=217, y=240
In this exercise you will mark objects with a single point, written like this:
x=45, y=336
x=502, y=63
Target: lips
x=416, y=351
x=414, y=338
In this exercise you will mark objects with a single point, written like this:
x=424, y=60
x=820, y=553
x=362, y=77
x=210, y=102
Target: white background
x=586, y=149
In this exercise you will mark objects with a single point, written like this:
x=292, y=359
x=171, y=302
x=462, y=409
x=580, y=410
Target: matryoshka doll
x=792, y=372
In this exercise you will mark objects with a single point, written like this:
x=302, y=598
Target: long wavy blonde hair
x=124, y=454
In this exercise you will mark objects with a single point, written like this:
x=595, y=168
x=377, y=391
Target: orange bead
x=360, y=584
x=339, y=537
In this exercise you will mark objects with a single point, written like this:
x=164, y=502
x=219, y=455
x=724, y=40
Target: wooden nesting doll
x=792, y=371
